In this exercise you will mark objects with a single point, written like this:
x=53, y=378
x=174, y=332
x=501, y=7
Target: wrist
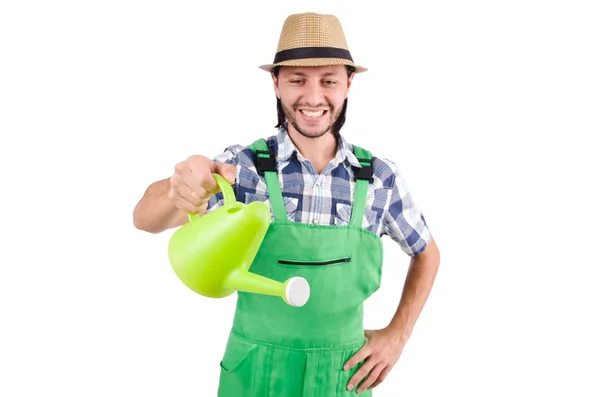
x=399, y=332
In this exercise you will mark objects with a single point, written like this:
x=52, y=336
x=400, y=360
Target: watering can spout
x=212, y=254
x=295, y=291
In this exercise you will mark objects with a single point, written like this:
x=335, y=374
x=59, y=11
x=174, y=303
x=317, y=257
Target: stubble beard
x=291, y=117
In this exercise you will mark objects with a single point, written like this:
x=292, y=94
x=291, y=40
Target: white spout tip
x=297, y=291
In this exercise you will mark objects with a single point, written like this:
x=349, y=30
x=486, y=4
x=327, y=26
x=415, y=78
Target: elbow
x=139, y=224
x=140, y=221
x=145, y=227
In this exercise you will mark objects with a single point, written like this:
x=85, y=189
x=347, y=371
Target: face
x=312, y=97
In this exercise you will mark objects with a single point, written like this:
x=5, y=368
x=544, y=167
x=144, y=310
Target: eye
x=296, y=81
x=330, y=82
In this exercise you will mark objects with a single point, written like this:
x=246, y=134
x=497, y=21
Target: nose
x=314, y=94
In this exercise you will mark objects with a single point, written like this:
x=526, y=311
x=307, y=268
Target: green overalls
x=276, y=350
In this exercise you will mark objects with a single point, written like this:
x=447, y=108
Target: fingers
x=200, y=177
x=357, y=357
x=188, y=190
x=227, y=171
x=185, y=198
x=193, y=183
x=373, y=376
x=184, y=180
x=360, y=374
x=382, y=375
x=183, y=203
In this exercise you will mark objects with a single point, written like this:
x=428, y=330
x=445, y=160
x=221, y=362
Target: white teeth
x=313, y=114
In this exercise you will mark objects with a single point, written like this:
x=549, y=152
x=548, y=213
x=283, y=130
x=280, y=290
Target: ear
x=350, y=78
x=276, y=85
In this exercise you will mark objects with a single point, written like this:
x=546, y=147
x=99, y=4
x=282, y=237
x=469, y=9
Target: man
x=331, y=202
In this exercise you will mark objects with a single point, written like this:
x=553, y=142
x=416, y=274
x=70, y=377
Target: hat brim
x=315, y=62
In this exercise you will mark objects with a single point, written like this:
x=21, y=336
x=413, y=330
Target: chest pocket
x=343, y=214
x=291, y=204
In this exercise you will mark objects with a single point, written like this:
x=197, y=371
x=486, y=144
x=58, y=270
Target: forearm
x=417, y=287
x=155, y=212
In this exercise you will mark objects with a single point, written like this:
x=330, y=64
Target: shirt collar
x=286, y=148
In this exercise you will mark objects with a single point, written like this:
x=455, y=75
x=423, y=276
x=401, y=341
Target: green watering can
x=212, y=253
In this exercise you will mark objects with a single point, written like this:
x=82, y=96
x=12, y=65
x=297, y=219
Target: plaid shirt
x=326, y=198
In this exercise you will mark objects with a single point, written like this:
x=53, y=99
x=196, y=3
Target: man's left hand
x=381, y=351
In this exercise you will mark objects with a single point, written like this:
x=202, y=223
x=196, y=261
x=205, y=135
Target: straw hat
x=312, y=39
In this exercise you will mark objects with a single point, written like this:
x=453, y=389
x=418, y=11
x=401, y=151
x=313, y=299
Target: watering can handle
x=226, y=189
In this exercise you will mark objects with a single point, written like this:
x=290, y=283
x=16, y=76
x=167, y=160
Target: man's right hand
x=192, y=183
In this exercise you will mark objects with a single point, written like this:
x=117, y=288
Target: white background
x=492, y=108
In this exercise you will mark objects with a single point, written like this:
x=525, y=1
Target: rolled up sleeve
x=403, y=221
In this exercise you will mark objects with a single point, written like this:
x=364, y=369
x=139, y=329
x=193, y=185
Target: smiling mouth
x=313, y=115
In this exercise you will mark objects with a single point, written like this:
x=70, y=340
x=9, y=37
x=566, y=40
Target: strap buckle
x=365, y=172
x=264, y=161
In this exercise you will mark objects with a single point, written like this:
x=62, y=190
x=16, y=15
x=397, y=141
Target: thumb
x=227, y=171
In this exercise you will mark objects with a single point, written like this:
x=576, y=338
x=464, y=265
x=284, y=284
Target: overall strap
x=363, y=175
x=266, y=165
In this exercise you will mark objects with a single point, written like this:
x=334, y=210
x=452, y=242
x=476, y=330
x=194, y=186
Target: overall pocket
x=312, y=263
x=343, y=214
x=237, y=375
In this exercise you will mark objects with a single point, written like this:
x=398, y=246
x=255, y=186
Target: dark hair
x=339, y=123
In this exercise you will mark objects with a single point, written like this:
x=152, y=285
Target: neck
x=319, y=151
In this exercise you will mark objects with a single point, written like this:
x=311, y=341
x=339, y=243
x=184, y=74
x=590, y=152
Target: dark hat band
x=312, y=52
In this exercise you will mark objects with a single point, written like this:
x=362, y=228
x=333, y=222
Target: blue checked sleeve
x=403, y=221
